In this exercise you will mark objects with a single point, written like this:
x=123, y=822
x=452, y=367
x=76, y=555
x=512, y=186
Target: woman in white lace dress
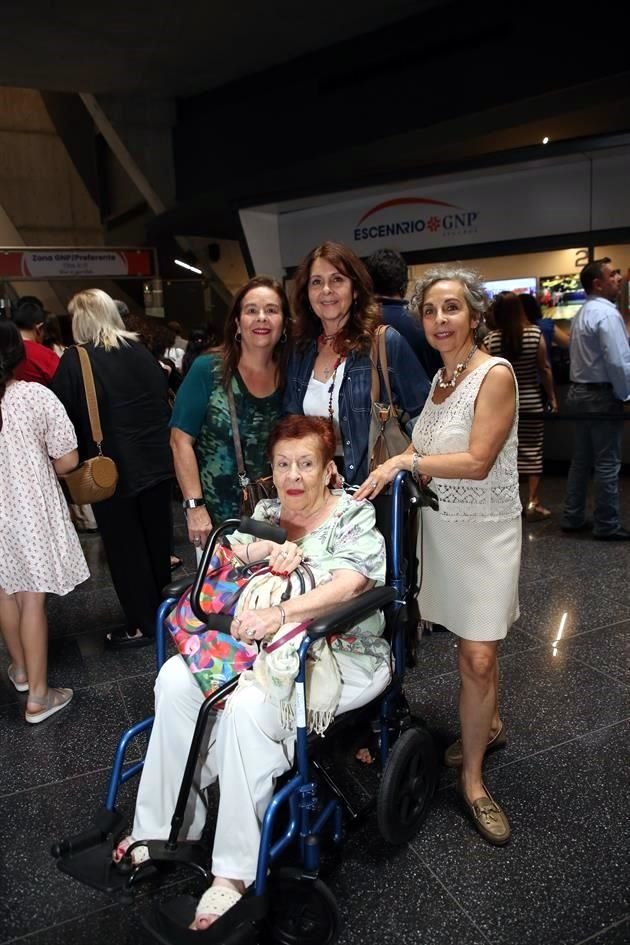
x=465, y=441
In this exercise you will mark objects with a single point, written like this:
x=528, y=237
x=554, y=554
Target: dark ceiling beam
x=417, y=90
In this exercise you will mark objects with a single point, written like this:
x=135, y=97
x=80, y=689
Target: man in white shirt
x=600, y=383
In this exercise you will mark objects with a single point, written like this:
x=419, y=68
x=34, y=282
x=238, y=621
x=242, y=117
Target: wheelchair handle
x=262, y=530
x=220, y=622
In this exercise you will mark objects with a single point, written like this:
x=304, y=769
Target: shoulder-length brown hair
x=365, y=314
x=507, y=313
x=231, y=348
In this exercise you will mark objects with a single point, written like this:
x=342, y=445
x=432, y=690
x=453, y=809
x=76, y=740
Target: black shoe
x=572, y=529
x=620, y=535
x=123, y=641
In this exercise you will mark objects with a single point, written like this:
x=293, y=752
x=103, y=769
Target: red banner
x=70, y=263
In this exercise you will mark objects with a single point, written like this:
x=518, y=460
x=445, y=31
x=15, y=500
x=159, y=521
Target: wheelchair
x=285, y=905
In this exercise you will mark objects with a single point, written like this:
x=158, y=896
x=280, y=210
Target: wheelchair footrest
x=183, y=853
x=94, y=867
x=169, y=922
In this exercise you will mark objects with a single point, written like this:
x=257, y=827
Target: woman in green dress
x=252, y=363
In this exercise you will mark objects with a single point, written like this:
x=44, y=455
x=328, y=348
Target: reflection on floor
x=562, y=777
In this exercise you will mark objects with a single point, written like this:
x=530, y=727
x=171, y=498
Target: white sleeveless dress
x=469, y=552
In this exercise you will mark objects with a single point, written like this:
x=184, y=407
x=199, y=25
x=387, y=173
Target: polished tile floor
x=563, y=776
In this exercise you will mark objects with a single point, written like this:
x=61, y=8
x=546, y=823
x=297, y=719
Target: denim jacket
x=410, y=388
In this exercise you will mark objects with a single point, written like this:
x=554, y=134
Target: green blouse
x=201, y=410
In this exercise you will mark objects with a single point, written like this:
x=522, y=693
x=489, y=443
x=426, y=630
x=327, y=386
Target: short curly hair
x=475, y=293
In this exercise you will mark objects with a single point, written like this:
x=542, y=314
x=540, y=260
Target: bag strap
x=293, y=632
x=378, y=358
x=382, y=360
x=238, y=449
x=375, y=393
x=90, y=396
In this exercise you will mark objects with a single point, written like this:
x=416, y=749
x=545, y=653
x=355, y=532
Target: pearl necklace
x=459, y=369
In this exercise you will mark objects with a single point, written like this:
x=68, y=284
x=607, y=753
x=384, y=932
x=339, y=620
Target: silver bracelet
x=283, y=616
x=415, y=472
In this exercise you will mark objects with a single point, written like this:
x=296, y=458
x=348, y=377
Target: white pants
x=247, y=748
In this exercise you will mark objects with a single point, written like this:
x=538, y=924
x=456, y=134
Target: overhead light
x=185, y=265
x=545, y=140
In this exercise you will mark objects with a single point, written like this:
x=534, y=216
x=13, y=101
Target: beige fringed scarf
x=274, y=672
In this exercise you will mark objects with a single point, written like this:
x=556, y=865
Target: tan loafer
x=488, y=817
x=536, y=513
x=453, y=756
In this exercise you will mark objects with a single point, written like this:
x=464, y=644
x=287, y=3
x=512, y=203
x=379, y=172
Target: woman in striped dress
x=523, y=345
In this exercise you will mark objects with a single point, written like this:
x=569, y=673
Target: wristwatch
x=193, y=503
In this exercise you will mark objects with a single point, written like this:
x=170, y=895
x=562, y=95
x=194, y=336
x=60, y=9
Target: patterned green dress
x=201, y=410
x=346, y=540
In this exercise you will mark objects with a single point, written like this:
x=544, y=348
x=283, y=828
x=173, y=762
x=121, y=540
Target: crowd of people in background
x=470, y=376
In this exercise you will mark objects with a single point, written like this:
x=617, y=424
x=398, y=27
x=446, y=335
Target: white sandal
x=216, y=901
x=138, y=855
x=54, y=701
x=11, y=673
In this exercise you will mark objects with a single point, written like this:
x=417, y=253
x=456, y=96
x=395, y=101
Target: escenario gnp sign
x=438, y=216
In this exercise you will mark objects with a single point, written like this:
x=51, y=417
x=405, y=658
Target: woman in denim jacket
x=329, y=373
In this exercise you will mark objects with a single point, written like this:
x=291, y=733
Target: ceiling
x=176, y=48
x=285, y=99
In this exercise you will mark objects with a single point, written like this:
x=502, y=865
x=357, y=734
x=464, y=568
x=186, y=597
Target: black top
x=131, y=389
x=396, y=314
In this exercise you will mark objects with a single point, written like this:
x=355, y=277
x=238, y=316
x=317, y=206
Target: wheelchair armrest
x=348, y=615
x=177, y=588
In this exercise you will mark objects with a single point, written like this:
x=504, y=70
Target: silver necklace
x=459, y=369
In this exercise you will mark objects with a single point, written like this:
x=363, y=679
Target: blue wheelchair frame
x=82, y=855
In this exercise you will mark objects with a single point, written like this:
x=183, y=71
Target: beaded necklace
x=322, y=341
x=460, y=367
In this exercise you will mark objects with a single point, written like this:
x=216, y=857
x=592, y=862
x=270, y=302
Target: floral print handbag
x=215, y=657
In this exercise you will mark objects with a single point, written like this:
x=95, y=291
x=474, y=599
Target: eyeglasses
x=268, y=310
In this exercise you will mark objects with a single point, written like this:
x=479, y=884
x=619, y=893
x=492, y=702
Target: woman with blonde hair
x=131, y=390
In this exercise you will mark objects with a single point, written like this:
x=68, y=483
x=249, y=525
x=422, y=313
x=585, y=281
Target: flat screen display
x=561, y=296
x=519, y=286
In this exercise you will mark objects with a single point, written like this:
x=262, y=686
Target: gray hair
x=475, y=293
x=95, y=319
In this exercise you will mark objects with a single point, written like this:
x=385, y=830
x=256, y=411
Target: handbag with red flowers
x=213, y=656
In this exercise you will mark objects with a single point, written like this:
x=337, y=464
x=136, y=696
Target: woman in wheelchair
x=251, y=742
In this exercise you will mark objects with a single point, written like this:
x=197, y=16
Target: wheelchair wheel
x=302, y=911
x=407, y=786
